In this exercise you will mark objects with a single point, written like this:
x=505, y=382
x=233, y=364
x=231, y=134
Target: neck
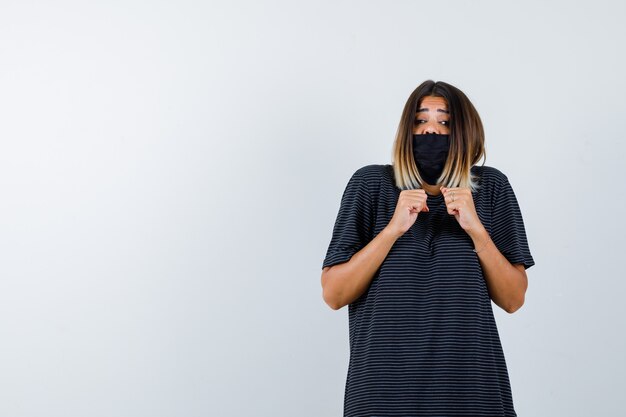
x=431, y=189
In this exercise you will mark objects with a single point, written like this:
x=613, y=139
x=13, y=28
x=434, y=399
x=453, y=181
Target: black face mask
x=430, y=152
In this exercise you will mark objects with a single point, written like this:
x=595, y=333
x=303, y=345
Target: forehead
x=429, y=103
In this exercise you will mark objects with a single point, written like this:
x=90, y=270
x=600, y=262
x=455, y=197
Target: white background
x=170, y=173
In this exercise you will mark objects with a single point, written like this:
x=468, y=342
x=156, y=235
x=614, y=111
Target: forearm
x=344, y=283
x=506, y=283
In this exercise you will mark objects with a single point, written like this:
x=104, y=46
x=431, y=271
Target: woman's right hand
x=410, y=204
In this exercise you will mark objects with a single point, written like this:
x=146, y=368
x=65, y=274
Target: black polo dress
x=423, y=337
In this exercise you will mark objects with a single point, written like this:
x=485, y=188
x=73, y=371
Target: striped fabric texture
x=423, y=337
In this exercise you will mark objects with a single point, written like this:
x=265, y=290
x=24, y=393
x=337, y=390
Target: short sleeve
x=354, y=224
x=507, y=230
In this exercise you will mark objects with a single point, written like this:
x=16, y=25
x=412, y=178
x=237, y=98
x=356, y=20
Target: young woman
x=419, y=250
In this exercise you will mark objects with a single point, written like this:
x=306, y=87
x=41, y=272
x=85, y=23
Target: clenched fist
x=410, y=204
x=460, y=204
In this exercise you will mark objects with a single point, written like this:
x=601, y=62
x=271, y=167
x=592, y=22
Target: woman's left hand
x=460, y=203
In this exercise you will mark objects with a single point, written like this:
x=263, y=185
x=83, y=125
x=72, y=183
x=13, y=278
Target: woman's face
x=432, y=117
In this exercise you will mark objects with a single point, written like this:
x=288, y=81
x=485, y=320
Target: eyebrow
x=425, y=109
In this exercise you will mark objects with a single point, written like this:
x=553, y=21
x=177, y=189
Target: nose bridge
x=431, y=127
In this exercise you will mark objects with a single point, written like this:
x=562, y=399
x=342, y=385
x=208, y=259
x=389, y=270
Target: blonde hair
x=467, y=139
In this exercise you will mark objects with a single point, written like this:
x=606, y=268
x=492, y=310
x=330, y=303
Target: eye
x=445, y=122
x=419, y=121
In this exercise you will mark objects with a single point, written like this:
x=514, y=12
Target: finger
x=454, y=207
x=415, y=204
x=450, y=198
x=418, y=202
x=420, y=207
x=457, y=190
x=453, y=211
x=413, y=210
x=414, y=201
x=415, y=191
